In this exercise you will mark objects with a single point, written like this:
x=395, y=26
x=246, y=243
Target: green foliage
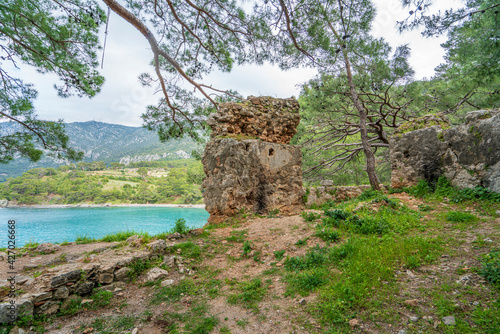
x=237, y=236
x=40, y=186
x=490, y=267
x=424, y=208
x=73, y=306
x=180, y=226
x=369, y=194
x=44, y=36
x=327, y=234
x=195, y=320
x=80, y=240
x=31, y=244
x=101, y=298
x=189, y=249
x=247, y=247
x=314, y=257
x=310, y=216
x=305, y=282
x=468, y=79
x=138, y=266
x=122, y=236
x=279, y=255
x=301, y=242
x=443, y=188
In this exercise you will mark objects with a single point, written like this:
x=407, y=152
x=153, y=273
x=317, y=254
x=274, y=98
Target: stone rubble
x=58, y=286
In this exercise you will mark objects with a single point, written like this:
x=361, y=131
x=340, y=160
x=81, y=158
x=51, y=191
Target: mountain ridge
x=107, y=142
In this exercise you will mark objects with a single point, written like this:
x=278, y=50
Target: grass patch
x=327, y=234
x=138, y=266
x=196, y=320
x=305, y=282
x=189, y=249
x=124, y=235
x=460, y=217
x=250, y=293
x=237, y=236
x=84, y=239
x=101, y=298
x=173, y=293
x=31, y=244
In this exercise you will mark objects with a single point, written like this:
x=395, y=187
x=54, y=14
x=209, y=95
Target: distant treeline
x=176, y=181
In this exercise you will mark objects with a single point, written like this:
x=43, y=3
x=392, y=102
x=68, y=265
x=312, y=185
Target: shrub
x=247, y=247
x=310, y=217
x=180, y=226
x=279, y=255
x=490, y=268
x=328, y=234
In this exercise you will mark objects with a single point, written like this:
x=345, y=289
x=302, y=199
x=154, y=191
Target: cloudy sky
x=122, y=99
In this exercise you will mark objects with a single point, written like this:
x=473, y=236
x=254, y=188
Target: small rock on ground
x=449, y=320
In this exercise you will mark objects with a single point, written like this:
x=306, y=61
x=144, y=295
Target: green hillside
x=175, y=182
x=108, y=143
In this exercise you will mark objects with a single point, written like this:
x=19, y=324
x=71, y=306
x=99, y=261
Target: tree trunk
x=370, y=157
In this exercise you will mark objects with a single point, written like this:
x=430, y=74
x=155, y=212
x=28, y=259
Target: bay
x=66, y=224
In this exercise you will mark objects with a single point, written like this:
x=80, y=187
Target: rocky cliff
x=468, y=154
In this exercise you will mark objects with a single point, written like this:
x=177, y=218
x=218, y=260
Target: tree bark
x=370, y=157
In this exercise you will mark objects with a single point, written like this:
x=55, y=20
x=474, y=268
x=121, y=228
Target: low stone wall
x=327, y=192
x=468, y=154
x=54, y=290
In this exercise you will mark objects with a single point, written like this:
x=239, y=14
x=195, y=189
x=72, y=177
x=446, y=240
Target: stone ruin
x=468, y=154
x=249, y=164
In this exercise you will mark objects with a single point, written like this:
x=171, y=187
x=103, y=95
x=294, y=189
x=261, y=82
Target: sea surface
x=66, y=224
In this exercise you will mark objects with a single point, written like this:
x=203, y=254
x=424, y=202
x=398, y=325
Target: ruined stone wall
x=468, y=155
x=249, y=163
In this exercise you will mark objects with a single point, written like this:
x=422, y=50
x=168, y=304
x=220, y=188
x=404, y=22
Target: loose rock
x=449, y=320
x=155, y=274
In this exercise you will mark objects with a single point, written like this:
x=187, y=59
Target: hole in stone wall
x=271, y=152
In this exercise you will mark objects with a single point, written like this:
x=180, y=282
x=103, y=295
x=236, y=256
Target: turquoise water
x=66, y=224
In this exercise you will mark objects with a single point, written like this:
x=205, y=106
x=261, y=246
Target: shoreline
x=106, y=205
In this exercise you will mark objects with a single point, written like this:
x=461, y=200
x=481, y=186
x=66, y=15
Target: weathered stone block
x=157, y=246
x=266, y=118
x=154, y=274
x=106, y=278
x=71, y=276
x=122, y=274
x=61, y=293
x=252, y=175
x=85, y=288
x=10, y=312
x=41, y=297
x=48, y=308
